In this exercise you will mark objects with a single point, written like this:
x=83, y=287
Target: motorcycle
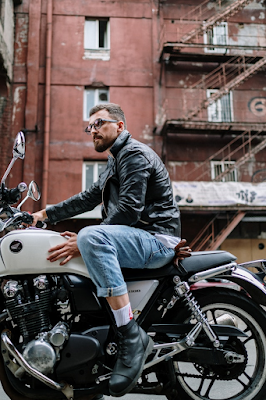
x=59, y=341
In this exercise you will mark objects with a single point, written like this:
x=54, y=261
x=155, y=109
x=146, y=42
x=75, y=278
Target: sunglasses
x=97, y=124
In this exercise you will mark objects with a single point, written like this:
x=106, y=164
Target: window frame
x=218, y=105
x=95, y=171
x=224, y=165
x=97, y=52
x=216, y=37
x=96, y=99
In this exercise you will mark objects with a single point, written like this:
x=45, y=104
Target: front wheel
x=244, y=381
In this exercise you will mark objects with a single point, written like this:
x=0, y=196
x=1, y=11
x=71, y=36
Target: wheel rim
x=245, y=386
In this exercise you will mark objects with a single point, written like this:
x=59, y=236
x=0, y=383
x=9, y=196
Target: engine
x=42, y=319
x=28, y=306
x=29, y=310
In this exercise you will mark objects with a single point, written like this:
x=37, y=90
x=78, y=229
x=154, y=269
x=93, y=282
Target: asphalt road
x=3, y=396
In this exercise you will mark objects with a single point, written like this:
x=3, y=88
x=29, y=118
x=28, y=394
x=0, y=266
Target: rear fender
x=246, y=280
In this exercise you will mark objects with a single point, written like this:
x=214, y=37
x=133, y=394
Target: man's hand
x=182, y=251
x=66, y=250
x=39, y=216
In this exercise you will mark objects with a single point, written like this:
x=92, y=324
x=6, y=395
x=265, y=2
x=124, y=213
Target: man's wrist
x=44, y=214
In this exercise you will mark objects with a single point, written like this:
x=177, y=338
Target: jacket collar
x=120, y=142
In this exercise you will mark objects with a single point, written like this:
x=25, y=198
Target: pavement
x=3, y=396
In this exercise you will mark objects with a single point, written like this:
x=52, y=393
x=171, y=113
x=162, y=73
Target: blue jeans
x=107, y=248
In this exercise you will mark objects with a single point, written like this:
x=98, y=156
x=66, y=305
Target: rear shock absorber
x=182, y=290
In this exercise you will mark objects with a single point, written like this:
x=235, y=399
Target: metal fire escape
x=228, y=76
x=242, y=147
x=207, y=239
x=223, y=15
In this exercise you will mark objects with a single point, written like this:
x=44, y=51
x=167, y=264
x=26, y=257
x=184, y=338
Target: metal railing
x=207, y=239
x=244, y=151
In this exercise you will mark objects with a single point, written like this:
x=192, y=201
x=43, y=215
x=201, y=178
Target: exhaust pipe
x=225, y=319
x=66, y=389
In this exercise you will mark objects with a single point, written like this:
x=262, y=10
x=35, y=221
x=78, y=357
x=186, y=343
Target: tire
x=245, y=381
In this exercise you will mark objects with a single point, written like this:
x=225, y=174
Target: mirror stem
x=7, y=171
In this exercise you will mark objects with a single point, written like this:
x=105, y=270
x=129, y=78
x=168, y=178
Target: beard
x=103, y=144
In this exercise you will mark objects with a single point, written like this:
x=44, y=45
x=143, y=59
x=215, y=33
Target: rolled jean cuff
x=111, y=292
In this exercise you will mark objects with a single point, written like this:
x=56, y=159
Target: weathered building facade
x=6, y=76
x=190, y=76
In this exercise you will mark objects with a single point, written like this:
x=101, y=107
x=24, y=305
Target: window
x=218, y=167
x=222, y=109
x=93, y=97
x=97, y=39
x=217, y=36
x=91, y=172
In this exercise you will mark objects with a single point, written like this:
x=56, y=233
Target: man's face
x=104, y=137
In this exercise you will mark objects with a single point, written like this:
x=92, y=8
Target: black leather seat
x=199, y=261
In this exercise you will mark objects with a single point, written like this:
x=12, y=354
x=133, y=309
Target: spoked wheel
x=245, y=380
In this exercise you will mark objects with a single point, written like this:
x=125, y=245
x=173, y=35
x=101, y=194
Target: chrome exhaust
x=66, y=389
x=225, y=319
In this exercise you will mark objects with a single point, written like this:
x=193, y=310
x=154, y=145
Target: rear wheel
x=238, y=381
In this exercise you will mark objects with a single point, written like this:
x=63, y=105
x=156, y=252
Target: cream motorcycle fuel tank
x=26, y=251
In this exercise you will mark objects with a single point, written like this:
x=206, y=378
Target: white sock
x=123, y=315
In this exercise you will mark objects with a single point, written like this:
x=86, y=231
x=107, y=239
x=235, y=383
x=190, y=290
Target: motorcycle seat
x=199, y=261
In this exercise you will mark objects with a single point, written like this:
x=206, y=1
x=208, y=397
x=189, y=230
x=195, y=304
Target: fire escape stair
x=242, y=160
x=241, y=143
x=226, y=88
x=215, y=19
x=206, y=238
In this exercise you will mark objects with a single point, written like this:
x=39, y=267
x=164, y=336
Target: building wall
x=246, y=28
x=6, y=68
x=132, y=74
x=128, y=75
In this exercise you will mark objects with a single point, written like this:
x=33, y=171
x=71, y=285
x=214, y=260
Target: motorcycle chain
x=187, y=375
x=204, y=376
x=197, y=376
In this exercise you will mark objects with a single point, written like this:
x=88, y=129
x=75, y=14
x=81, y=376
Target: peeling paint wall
x=186, y=149
x=6, y=66
x=131, y=74
x=7, y=35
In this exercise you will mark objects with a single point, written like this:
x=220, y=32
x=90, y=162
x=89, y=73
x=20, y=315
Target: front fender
x=249, y=281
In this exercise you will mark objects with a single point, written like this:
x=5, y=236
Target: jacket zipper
x=103, y=192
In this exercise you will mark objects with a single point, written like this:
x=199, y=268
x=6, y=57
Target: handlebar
x=16, y=218
x=12, y=196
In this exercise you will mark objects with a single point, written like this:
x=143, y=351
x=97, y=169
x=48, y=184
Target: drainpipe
x=47, y=115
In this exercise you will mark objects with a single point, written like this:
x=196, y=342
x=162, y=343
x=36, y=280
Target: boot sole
x=148, y=351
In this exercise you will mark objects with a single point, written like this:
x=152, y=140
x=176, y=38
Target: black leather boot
x=134, y=347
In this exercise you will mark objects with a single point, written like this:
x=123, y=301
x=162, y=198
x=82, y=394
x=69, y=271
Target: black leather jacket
x=134, y=190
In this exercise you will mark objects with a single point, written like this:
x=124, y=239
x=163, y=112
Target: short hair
x=114, y=110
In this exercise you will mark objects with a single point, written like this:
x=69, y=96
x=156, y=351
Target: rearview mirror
x=33, y=193
x=19, y=146
x=18, y=152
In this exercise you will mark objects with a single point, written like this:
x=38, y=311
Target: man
x=140, y=229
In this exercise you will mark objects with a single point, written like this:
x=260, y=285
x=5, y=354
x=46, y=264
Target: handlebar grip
x=41, y=224
x=27, y=218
